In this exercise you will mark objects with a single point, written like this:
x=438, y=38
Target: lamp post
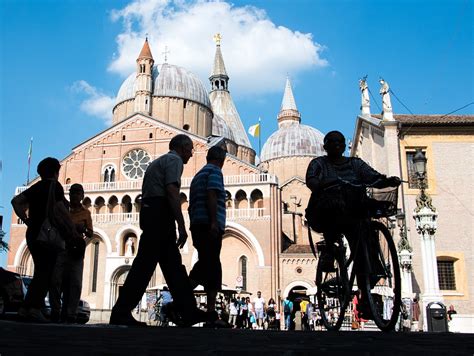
x=425, y=216
x=405, y=256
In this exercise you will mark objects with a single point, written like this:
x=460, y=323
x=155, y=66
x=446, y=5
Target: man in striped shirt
x=207, y=216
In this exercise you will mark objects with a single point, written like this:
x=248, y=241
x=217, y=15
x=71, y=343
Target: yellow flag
x=254, y=130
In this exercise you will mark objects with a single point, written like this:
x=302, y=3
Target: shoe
x=194, y=317
x=218, y=324
x=126, y=319
x=36, y=316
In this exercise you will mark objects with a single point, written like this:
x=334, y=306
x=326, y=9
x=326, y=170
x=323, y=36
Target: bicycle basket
x=320, y=247
x=383, y=202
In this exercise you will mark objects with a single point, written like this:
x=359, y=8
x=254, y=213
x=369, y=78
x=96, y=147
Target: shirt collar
x=173, y=152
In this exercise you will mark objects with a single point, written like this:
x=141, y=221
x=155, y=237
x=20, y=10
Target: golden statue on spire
x=218, y=39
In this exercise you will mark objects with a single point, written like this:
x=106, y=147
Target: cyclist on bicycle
x=337, y=205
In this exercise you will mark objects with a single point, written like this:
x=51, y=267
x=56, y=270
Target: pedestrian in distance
x=160, y=210
x=42, y=199
x=259, y=307
x=287, y=311
x=207, y=214
x=67, y=276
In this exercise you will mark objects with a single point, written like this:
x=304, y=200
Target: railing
x=246, y=214
x=115, y=218
x=185, y=183
x=132, y=218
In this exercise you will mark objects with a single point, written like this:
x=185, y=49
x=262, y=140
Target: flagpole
x=259, y=137
x=30, y=151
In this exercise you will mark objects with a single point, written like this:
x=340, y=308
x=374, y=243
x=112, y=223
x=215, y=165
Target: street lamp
x=419, y=160
x=422, y=200
x=405, y=256
x=425, y=216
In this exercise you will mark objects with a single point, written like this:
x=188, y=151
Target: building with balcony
x=155, y=103
x=388, y=143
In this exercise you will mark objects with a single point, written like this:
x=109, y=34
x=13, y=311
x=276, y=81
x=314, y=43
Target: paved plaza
x=25, y=339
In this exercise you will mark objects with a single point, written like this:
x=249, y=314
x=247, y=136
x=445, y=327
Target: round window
x=135, y=163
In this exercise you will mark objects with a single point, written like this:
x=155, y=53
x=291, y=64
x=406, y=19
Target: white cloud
x=258, y=54
x=97, y=103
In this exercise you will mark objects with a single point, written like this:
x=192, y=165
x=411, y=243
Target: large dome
x=168, y=81
x=293, y=140
x=220, y=128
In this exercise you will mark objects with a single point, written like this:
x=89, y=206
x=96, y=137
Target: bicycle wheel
x=333, y=292
x=383, y=283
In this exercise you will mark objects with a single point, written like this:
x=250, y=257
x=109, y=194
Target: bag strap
x=51, y=200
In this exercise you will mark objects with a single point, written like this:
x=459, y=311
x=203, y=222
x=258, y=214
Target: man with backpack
x=287, y=310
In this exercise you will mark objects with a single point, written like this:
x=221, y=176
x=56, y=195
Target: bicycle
x=373, y=259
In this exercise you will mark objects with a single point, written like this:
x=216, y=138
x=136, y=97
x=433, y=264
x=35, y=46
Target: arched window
x=184, y=201
x=126, y=204
x=240, y=200
x=99, y=205
x=256, y=199
x=129, y=245
x=243, y=271
x=228, y=199
x=109, y=174
x=138, y=203
x=87, y=203
x=113, y=203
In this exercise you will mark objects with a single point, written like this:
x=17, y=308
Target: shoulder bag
x=49, y=234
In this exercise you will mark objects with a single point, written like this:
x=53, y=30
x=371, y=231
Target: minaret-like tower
x=219, y=78
x=223, y=105
x=144, y=80
x=288, y=112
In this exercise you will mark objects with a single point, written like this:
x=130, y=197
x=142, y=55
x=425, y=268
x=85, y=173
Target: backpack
x=286, y=307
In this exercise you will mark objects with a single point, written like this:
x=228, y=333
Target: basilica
x=265, y=246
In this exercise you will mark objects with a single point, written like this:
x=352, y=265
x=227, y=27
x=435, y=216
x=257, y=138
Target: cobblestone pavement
x=18, y=338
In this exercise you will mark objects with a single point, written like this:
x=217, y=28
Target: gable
x=88, y=160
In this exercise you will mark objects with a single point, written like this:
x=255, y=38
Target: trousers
x=66, y=281
x=157, y=244
x=44, y=259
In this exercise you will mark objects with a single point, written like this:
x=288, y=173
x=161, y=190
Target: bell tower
x=144, y=80
x=288, y=112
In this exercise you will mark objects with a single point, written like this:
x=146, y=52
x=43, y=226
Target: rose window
x=135, y=163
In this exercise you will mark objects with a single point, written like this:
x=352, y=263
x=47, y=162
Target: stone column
x=405, y=257
x=425, y=216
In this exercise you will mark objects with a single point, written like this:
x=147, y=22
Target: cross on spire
x=165, y=53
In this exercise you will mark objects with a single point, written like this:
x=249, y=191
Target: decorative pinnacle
x=218, y=39
x=165, y=53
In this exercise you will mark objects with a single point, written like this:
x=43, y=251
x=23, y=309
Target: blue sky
x=62, y=63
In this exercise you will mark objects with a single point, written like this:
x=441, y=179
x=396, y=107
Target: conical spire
x=219, y=67
x=288, y=102
x=288, y=112
x=222, y=103
x=145, y=52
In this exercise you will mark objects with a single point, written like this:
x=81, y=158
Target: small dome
x=220, y=128
x=293, y=140
x=168, y=81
